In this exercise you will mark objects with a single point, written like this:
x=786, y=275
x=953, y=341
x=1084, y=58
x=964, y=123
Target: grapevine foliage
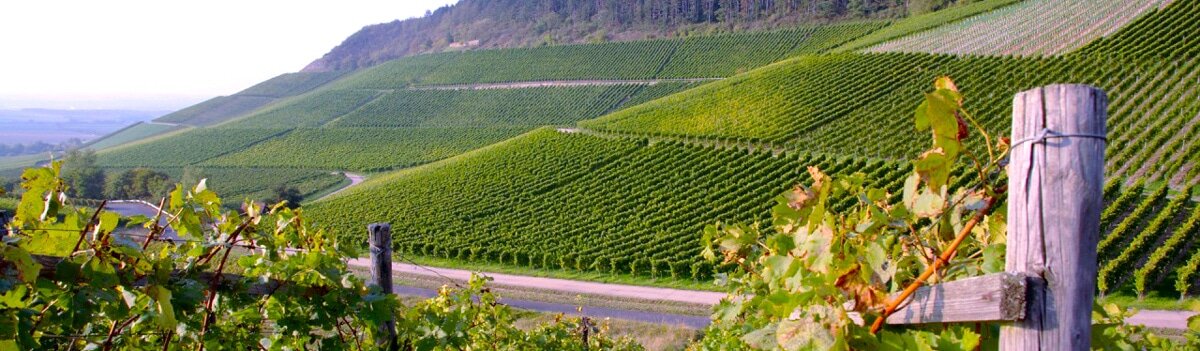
x=816, y=276
x=171, y=288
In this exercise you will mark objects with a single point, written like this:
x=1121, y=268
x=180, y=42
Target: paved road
x=354, y=178
x=130, y=208
x=694, y=322
x=564, y=285
x=1161, y=319
x=1150, y=318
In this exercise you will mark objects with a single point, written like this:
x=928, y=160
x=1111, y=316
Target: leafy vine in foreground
x=819, y=274
x=154, y=289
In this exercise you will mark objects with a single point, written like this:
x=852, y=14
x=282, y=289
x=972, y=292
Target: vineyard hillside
x=629, y=192
x=425, y=108
x=1029, y=28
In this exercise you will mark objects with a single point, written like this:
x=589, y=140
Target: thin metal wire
x=448, y=279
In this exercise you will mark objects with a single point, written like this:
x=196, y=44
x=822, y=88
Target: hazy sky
x=115, y=53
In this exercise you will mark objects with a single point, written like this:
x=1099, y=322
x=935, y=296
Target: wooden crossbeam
x=989, y=298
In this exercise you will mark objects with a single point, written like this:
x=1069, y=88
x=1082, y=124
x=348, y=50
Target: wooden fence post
x=3, y=223
x=1056, y=176
x=379, y=238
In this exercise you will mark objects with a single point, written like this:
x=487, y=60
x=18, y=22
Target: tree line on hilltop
x=475, y=24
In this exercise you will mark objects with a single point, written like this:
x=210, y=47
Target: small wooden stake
x=379, y=238
x=1054, y=204
x=3, y=223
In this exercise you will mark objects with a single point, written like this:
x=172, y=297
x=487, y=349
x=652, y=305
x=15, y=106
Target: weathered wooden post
x=379, y=238
x=3, y=223
x=1056, y=175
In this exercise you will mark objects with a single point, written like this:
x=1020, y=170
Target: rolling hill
x=611, y=157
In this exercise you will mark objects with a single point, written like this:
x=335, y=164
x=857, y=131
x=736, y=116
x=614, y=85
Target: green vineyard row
x=254, y=183
x=577, y=202
x=860, y=104
x=1029, y=28
x=364, y=149
x=692, y=57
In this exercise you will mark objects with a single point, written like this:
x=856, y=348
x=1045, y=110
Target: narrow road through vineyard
x=354, y=178
x=1149, y=318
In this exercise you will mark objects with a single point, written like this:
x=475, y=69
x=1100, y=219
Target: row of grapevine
x=1113, y=239
x=216, y=110
x=1029, y=28
x=859, y=104
x=712, y=56
x=291, y=84
x=487, y=107
x=919, y=23
x=579, y=202
x=368, y=130
x=186, y=148
x=365, y=149
x=308, y=112
x=135, y=132
x=729, y=54
x=1168, y=33
x=255, y=183
x=1160, y=261
x=1115, y=270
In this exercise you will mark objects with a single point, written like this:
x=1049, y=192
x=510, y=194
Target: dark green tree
x=139, y=183
x=283, y=192
x=81, y=174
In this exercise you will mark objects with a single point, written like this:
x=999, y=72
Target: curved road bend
x=354, y=178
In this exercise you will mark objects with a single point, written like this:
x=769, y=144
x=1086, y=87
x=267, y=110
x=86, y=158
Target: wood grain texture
x=1054, y=209
x=379, y=240
x=993, y=297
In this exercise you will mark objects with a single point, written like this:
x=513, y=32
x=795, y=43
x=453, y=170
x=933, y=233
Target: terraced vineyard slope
x=1029, y=28
x=223, y=108
x=791, y=105
x=570, y=201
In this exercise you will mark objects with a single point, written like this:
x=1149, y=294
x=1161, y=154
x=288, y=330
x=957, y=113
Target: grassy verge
x=9, y=204
x=651, y=336
x=624, y=279
x=554, y=296
x=330, y=190
x=1153, y=301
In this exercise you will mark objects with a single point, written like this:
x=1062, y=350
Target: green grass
x=1152, y=301
x=8, y=204
x=618, y=278
x=13, y=165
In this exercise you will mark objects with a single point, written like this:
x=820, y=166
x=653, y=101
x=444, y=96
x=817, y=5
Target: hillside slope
x=489, y=24
x=629, y=192
x=424, y=108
